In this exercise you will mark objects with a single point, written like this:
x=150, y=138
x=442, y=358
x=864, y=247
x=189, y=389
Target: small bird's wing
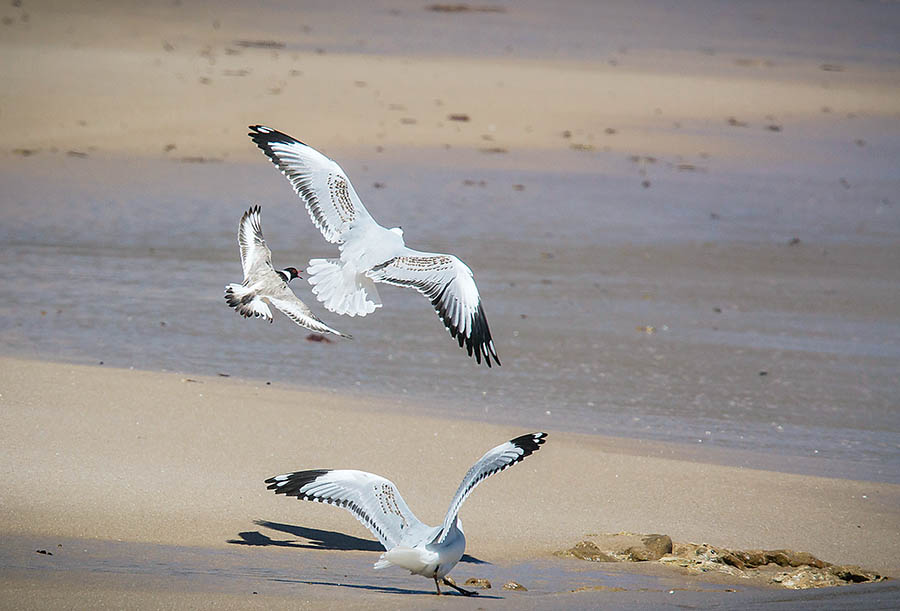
x=495, y=460
x=255, y=255
x=448, y=283
x=330, y=199
x=291, y=306
x=374, y=500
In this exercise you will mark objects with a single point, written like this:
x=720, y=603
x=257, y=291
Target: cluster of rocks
x=806, y=571
x=621, y=547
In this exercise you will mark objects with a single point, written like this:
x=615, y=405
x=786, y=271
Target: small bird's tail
x=243, y=299
x=341, y=289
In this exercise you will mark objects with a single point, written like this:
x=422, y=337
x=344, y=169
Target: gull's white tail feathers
x=341, y=289
x=404, y=557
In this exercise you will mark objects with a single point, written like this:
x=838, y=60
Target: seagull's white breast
x=450, y=551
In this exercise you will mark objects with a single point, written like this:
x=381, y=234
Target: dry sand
x=96, y=453
x=158, y=79
x=149, y=457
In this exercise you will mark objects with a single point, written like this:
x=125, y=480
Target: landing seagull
x=371, y=253
x=262, y=283
x=430, y=551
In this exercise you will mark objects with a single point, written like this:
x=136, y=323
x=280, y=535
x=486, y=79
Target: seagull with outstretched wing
x=371, y=253
x=264, y=285
x=430, y=551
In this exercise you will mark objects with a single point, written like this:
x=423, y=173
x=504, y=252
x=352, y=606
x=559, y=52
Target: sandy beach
x=684, y=224
x=151, y=458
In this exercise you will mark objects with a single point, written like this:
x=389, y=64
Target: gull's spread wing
x=372, y=499
x=330, y=199
x=448, y=283
x=495, y=460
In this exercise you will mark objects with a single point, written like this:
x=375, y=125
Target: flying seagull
x=430, y=551
x=263, y=284
x=371, y=253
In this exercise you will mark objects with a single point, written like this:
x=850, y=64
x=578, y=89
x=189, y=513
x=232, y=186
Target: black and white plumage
x=371, y=253
x=264, y=285
x=430, y=551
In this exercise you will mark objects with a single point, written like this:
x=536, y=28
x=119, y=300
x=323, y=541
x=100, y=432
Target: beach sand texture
x=154, y=458
x=683, y=221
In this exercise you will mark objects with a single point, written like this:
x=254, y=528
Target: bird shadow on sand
x=316, y=539
x=384, y=589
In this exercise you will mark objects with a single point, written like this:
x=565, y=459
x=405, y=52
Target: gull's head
x=398, y=231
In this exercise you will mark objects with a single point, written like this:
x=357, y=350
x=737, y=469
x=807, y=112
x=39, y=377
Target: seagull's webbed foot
x=462, y=591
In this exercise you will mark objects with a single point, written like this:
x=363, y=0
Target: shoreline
x=408, y=405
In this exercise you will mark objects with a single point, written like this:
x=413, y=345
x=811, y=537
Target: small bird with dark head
x=263, y=284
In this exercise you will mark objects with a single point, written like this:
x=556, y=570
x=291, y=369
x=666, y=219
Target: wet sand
x=103, y=574
x=683, y=224
x=778, y=356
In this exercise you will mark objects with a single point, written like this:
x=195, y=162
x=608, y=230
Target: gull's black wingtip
x=480, y=344
x=259, y=132
x=529, y=443
x=291, y=483
x=263, y=135
x=489, y=351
